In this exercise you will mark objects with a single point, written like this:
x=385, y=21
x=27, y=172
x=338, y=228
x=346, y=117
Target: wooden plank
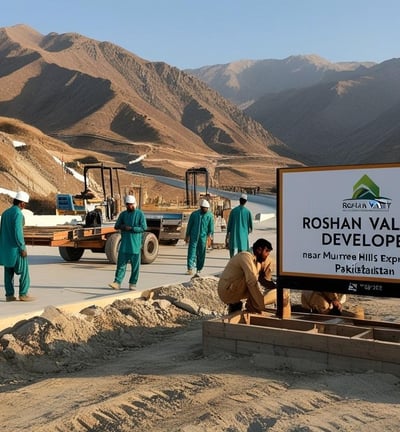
x=67, y=236
x=213, y=329
x=259, y=320
x=295, y=359
x=366, y=334
x=339, y=330
x=388, y=335
x=215, y=344
x=337, y=362
x=276, y=336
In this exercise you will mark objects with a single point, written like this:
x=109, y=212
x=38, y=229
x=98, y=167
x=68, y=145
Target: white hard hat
x=22, y=196
x=243, y=196
x=204, y=203
x=130, y=199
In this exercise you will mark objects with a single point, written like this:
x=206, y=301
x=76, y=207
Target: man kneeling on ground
x=240, y=278
x=323, y=302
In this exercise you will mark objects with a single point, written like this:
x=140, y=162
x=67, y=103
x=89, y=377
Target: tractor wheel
x=149, y=248
x=112, y=247
x=70, y=253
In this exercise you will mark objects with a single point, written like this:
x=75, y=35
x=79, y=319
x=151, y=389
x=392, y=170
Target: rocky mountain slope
x=245, y=81
x=327, y=113
x=44, y=166
x=342, y=121
x=98, y=97
x=32, y=161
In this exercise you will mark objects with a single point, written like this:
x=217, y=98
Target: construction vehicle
x=72, y=241
x=108, y=203
x=98, y=214
x=166, y=224
x=219, y=206
x=174, y=217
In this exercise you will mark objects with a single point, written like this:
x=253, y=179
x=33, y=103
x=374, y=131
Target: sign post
x=339, y=229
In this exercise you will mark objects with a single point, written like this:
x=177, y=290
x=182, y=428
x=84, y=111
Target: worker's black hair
x=262, y=243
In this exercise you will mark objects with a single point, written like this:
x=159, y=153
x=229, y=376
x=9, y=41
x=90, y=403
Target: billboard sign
x=340, y=223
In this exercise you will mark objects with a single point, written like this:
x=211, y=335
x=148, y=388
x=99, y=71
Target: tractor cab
x=94, y=207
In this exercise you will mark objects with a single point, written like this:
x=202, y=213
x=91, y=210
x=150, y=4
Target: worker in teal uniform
x=132, y=224
x=13, y=253
x=240, y=225
x=199, y=231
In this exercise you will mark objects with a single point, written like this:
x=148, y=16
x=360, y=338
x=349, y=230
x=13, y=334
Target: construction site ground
x=134, y=364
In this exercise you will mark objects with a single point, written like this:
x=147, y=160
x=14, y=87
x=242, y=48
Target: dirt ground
x=138, y=365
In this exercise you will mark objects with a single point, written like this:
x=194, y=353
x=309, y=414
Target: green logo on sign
x=365, y=188
x=366, y=197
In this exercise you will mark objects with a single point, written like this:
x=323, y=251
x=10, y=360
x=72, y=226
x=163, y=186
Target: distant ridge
x=326, y=113
x=99, y=97
x=347, y=120
x=245, y=81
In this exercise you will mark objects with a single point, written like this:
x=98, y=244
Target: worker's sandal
x=26, y=298
x=114, y=285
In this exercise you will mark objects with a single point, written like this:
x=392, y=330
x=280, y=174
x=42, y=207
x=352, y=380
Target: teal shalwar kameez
x=131, y=243
x=240, y=225
x=12, y=243
x=199, y=228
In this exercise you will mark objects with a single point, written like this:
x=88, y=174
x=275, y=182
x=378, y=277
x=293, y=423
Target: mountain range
x=245, y=81
x=92, y=100
x=98, y=97
x=326, y=113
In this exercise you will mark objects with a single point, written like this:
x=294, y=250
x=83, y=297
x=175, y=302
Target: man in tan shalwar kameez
x=245, y=277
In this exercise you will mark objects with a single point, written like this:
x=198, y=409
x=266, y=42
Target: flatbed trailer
x=72, y=240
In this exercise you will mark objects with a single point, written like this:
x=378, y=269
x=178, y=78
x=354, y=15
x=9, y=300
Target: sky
x=194, y=33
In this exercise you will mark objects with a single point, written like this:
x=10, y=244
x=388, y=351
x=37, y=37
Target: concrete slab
x=75, y=285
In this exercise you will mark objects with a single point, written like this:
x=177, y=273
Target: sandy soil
x=138, y=365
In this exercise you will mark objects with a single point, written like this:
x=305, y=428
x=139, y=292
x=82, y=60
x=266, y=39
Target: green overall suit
x=199, y=228
x=131, y=243
x=240, y=225
x=12, y=243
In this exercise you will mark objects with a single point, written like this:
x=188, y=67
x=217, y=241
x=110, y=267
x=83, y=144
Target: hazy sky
x=194, y=33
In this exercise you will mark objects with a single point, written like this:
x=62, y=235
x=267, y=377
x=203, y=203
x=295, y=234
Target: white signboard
x=340, y=222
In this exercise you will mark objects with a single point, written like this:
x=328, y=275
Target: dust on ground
x=138, y=364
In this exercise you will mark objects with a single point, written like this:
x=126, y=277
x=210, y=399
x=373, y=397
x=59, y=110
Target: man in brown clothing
x=323, y=302
x=241, y=278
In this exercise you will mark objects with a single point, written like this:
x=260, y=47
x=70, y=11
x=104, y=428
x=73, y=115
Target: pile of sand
x=56, y=341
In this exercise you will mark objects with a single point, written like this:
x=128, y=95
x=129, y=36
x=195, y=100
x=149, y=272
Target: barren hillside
x=33, y=161
x=99, y=97
x=246, y=81
x=343, y=121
